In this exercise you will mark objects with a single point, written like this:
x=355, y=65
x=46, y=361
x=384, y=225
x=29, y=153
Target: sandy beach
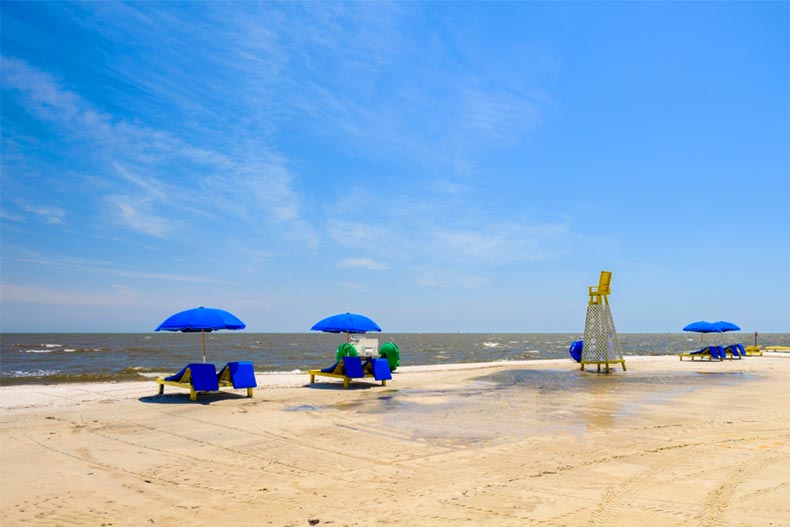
x=666, y=443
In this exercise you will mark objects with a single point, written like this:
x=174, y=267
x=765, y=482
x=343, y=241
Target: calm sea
x=37, y=358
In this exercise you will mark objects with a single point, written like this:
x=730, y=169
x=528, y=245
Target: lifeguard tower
x=600, y=338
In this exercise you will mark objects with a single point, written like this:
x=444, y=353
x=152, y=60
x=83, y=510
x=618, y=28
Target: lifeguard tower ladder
x=600, y=338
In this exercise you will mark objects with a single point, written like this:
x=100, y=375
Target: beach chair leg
x=623, y=363
x=192, y=394
x=312, y=378
x=249, y=392
x=345, y=382
x=383, y=383
x=161, y=389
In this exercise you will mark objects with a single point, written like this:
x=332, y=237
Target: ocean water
x=42, y=358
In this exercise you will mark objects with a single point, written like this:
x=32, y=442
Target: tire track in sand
x=718, y=500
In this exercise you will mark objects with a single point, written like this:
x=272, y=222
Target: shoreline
x=24, y=393
x=283, y=376
x=667, y=443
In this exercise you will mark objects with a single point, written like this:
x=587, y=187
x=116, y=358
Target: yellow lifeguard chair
x=600, y=337
x=600, y=292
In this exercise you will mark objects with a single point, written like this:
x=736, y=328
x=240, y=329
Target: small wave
x=490, y=344
x=532, y=351
x=136, y=369
x=52, y=345
x=27, y=374
x=55, y=350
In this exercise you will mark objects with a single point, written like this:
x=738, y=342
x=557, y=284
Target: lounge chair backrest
x=353, y=367
x=204, y=377
x=740, y=349
x=242, y=374
x=381, y=370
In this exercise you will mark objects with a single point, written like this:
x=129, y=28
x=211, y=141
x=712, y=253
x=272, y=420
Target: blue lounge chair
x=353, y=367
x=349, y=368
x=381, y=370
x=732, y=350
x=195, y=377
x=239, y=375
x=708, y=352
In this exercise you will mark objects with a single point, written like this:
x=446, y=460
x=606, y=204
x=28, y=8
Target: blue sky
x=437, y=166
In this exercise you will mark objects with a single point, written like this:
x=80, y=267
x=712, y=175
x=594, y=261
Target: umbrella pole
x=203, y=343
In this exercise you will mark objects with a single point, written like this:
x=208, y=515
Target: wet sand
x=666, y=443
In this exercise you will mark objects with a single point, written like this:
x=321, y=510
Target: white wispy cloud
x=365, y=263
x=106, y=267
x=168, y=277
x=454, y=280
x=499, y=242
x=212, y=107
x=138, y=214
x=48, y=214
x=422, y=230
x=115, y=296
x=353, y=286
x=252, y=187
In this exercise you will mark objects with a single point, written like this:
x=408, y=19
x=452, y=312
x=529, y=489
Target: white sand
x=664, y=444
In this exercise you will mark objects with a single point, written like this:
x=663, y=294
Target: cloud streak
x=364, y=263
x=129, y=157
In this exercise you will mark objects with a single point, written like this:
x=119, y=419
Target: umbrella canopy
x=702, y=327
x=202, y=319
x=346, y=323
x=726, y=326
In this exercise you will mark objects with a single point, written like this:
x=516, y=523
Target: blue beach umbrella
x=346, y=323
x=702, y=327
x=726, y=326
x=202, y=319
